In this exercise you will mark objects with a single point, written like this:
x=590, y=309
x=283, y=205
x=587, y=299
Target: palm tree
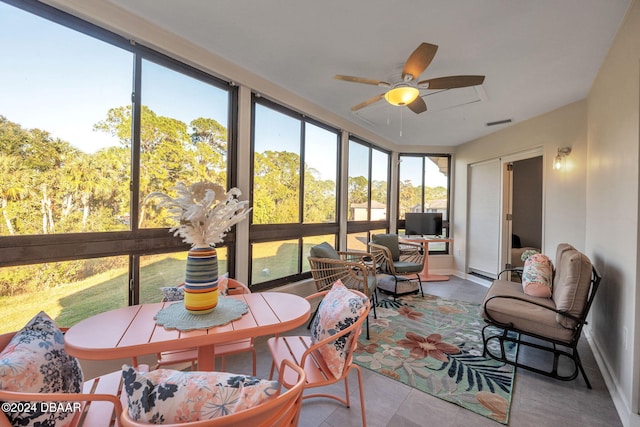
x=13, y=185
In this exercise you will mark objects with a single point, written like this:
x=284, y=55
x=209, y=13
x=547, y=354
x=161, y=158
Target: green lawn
x=69, y=303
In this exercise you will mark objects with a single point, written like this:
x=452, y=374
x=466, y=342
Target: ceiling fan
x=407, y=91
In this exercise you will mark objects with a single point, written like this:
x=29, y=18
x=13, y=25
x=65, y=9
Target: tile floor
x=537, y=400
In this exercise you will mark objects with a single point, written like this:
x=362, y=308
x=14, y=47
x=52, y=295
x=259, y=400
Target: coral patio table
x=132, y=331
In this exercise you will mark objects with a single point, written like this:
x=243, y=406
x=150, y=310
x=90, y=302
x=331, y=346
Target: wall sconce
x=563, y=152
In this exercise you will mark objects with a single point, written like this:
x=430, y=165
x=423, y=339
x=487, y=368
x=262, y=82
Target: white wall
x=612, y=212
x=593, y=204
x=564, y=197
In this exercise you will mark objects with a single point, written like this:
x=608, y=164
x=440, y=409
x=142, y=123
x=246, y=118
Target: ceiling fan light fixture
x=401, y=95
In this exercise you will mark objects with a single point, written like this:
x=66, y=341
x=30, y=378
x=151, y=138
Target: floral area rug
x=435, y=345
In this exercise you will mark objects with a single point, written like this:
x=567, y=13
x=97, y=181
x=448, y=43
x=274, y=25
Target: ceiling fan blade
x=361, y=80
x=419, y=61
x=451, y=82
x=367, y=102
x=418, y=105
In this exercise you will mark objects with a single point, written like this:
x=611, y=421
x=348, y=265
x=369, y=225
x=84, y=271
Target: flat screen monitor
x=428, y=223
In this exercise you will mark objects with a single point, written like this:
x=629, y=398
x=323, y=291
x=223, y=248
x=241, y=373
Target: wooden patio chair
x=309, y=355
x=190, y=355
x=281, y=411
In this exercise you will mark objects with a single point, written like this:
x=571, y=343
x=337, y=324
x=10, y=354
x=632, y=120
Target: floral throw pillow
x=165, y=396
x=35, y=361
x=339, y=309
x=173, y=293
x=537, y=276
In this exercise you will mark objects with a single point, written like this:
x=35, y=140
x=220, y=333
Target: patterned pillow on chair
x=166, y=396
x=537, y=276
x=35, y=361
x=173, y=293
x=339, y=309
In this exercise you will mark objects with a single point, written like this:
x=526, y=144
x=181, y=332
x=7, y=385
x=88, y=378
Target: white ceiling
x=537, y=55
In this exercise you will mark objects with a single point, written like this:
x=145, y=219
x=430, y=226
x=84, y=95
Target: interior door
x=522, y=204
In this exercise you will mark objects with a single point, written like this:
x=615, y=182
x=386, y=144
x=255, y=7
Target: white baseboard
x=622, y=406
x=470, y=277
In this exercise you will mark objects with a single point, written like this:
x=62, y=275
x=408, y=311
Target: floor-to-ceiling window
x=295, y=181
x=367, y=197
x=423, y=186
x=90, y=124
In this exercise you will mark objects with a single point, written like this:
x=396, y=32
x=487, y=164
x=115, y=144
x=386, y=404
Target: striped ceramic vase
x=201, y=281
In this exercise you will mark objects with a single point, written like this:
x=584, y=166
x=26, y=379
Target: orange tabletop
x=132, y=331
x=425, y=276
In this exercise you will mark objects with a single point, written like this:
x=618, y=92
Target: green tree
x=319, y=198
x=379, y=191
x=169, y=154
x=358, y=189
x=409, y=196
x=210, y=132
x=276, y=188
x=14, y=186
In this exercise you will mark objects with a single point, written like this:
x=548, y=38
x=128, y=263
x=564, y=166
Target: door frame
x=507, y=199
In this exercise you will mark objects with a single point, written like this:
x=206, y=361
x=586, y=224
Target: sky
x=71, y=81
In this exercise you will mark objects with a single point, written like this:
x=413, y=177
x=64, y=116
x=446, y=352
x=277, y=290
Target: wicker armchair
x=356, y=270
x=397, y=259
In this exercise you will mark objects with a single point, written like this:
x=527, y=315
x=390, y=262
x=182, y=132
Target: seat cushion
x=571, y=284
x=171, y=396
x=339, y=309
x=522, y=315
x=390, y=241
x=537, y=276
x=387, y=284
x=404, y=267
x=35, y=361
x=323, y=250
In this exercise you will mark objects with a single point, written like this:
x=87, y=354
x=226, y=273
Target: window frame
x=37, y=249
x=262, y=233
x=400, y=223
x=369, y=225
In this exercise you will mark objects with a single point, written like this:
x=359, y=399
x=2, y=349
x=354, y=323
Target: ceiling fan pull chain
x=401, y=123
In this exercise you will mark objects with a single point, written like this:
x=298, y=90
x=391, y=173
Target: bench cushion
x=571, y=284
x=521, y=314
